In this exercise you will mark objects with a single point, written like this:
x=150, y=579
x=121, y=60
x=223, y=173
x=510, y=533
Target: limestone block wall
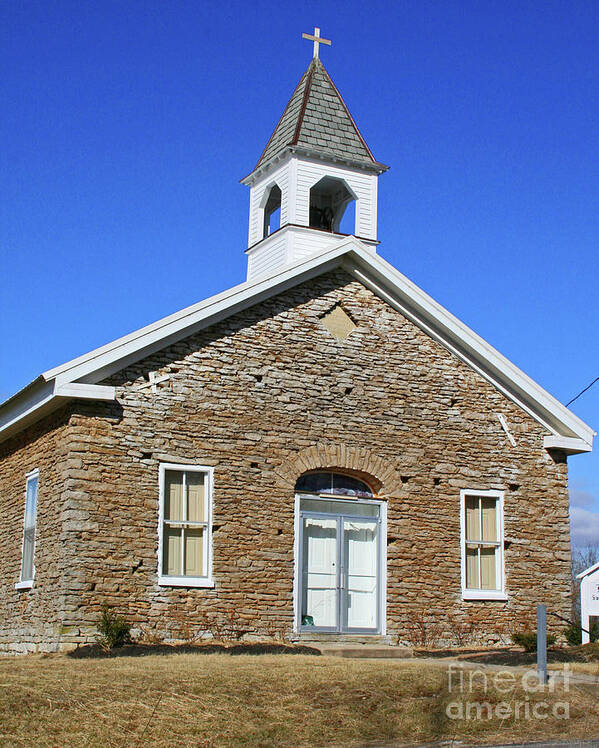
x=268, y=394
x=32, y=620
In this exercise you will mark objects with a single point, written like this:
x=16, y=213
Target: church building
x=320, y=453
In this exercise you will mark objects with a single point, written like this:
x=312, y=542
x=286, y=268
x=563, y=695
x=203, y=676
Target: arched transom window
x=333, y=483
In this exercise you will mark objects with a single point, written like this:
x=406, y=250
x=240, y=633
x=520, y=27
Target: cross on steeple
x=317, y=39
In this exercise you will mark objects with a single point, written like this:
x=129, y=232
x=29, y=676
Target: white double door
x=340, y=566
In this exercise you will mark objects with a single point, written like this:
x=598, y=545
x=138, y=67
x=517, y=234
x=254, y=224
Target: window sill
x=185, y=582
x=24, y=585
x=484, y=595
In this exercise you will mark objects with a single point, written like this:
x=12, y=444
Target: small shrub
x=114, y=629
x=226, y=627
x=462, y=629
x=146, y=636
x=528, y=640
x=424, y=630
x=573, y=632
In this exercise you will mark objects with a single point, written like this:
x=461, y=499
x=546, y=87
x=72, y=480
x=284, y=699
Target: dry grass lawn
x=267, y=700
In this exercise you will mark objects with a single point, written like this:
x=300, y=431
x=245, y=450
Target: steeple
x=316, y=121
x=314, y=171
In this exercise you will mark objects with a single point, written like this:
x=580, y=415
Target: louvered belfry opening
x=329, y=199
x=272, y=211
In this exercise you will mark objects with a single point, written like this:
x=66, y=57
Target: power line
x=582, y=391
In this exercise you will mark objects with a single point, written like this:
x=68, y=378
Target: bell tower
x=315, y=182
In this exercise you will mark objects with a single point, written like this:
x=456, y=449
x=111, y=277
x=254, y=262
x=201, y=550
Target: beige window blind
x=482, y=542
x=185, y=524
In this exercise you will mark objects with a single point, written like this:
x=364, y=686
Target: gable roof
x=588, y=571
x=79, y=378
x=317, y=120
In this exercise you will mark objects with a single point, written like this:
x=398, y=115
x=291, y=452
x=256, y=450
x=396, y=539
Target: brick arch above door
x=361, y=463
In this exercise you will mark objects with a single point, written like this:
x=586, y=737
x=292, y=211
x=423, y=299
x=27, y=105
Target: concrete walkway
x=460, y=744
x=551, y=744
x=554, y=674
x=385, y=652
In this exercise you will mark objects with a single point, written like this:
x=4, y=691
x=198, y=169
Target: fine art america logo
x=523, y=692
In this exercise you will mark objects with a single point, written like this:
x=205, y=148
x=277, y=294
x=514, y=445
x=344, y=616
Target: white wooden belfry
x=589, y=599
x=317, y=39
x=315, y=161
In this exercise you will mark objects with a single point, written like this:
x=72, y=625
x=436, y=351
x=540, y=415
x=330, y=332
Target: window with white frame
x=482, y=545
x=185, y=541
x=27, y=567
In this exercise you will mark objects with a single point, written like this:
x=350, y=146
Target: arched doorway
x=340, y=549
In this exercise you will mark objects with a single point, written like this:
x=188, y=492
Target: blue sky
x=126, y=127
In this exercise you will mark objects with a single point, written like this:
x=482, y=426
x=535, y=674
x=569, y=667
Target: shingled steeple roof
x=316, y=121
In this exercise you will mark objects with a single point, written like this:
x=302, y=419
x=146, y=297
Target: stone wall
x=264, y=396
x=31, y=620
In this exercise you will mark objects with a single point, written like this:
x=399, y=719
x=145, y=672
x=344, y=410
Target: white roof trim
x=442, y=325
x=94, y=365
x=85, y=391
x=42, y=398
x=375, y=273
x=567, y=444
x=588, y=571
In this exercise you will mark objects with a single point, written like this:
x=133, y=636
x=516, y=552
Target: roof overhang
x=406, y=297
x=588, y=571
x=42, y=397
x=79, y=378
x=569, y=445
x=372, y=167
